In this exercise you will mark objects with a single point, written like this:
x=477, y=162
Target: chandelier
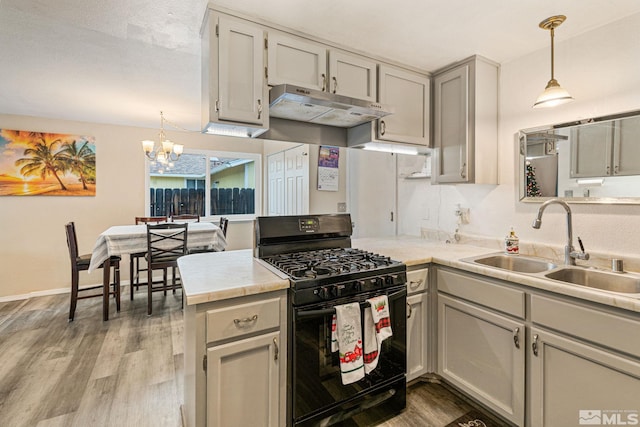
x=165, y=151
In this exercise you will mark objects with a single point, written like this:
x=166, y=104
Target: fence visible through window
x=224, y=201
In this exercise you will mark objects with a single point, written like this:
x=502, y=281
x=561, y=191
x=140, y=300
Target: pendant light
x=553, y=94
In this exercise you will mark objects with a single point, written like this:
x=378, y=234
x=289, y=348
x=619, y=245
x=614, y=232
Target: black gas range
x=314, y=252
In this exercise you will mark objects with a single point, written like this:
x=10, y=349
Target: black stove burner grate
x=327, y=262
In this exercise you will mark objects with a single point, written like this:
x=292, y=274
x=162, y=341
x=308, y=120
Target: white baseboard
x=48, y=292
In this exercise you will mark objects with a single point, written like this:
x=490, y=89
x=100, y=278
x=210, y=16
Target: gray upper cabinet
x=408, y=94
x=233, y=81
x=466, y=123
x=296, y=61
x=606, y=149
x=352, y=75
x=591, y=151
x=626, y=148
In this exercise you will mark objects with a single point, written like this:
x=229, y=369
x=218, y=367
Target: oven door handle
x=328, y=311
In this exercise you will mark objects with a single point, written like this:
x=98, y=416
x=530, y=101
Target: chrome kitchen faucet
x=570, y=254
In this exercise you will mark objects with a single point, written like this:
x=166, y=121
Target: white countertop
x=222, y=275
x=214, y=276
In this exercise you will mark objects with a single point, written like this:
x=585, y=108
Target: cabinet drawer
x=417, y=281
x=480, y=291
x=243, y=319
x=607, y=329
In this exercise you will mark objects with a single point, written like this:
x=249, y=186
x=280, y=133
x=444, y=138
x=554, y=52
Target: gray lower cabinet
x=243, y=382
x=481, y=352
x=573, y=383
x=235, y=362
x=417, y=323
x=585, y=364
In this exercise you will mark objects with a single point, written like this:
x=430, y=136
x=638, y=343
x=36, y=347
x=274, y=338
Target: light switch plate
x=342, y=207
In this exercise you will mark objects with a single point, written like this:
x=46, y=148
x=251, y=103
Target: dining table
x=121, y=240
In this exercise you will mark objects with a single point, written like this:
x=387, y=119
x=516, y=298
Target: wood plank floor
x=124, y=372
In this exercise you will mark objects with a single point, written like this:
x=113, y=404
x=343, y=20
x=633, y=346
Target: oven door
x=317, y=388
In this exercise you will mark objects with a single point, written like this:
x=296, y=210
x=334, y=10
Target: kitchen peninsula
x=573, y=334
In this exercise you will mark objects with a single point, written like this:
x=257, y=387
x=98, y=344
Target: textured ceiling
x=121, y=62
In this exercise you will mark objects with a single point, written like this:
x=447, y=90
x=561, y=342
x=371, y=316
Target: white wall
x=601, y=69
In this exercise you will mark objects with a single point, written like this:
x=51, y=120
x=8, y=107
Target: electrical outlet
x=342, y=207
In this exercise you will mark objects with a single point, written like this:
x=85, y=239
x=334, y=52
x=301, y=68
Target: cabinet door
x=482, y=353
x=353, y=76
x=242, y=382
x=240, y=72
x=371, y=178
x=297, y=62
x=408, y=94
x=591, y=153
x=451, y=125
x=417, y=335
x=573, y=383
x=626, y=147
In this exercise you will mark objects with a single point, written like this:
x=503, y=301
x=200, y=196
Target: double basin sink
x=625, y=283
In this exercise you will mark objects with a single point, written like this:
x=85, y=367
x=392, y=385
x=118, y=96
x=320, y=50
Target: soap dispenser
x=511, y=243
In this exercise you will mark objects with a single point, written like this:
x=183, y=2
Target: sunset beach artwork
x=46, y=164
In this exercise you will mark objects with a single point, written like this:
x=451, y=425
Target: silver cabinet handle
x=415, y=283
x=410, y=310
x=534, y=345
x=276, y=350
x=259, y=109
x=608, y=170
x=615, y=168
x=335, y=84
x=462, y=173
x=516, y=337
x=383, y=127
x=243, y=322
x=324, y=82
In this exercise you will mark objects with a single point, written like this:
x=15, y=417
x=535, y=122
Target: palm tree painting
x=39, y=163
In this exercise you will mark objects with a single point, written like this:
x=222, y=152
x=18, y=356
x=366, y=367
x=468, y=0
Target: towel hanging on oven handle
x=328, y=311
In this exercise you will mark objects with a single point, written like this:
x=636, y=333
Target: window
x=206, y=183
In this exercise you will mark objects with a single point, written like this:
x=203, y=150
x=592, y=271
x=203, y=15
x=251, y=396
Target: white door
x=296, y=178
x=371, y=187
x=275, y=178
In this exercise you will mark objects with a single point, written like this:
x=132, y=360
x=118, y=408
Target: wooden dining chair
x=81, y=263
x=185, y=218
x=165, y=244
x=134, y=259
x=224, y=222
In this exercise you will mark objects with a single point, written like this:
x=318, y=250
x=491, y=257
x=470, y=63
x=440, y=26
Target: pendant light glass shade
x=553, y=94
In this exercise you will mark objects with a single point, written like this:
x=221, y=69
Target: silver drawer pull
x=534, y=345
x=516, y=337
x=410, y=311
x=415, y=283
x=276, y=350
x=243, y=322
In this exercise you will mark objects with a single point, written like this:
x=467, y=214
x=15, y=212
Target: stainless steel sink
x=515, y=263
x=613, y=282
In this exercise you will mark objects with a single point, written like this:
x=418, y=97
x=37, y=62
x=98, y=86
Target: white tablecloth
x=129, y=239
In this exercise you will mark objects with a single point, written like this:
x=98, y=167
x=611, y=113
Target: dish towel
x=377, y=328
x=347, y=335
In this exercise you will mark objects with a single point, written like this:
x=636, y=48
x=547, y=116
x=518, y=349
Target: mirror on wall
x=590, y=161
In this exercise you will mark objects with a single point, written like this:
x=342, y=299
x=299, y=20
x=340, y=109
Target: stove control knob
x=323, y=292
x=337, y=290
x=379, y=281
x=358, y=285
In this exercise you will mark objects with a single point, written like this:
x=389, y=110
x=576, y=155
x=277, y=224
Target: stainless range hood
x=314, y=106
